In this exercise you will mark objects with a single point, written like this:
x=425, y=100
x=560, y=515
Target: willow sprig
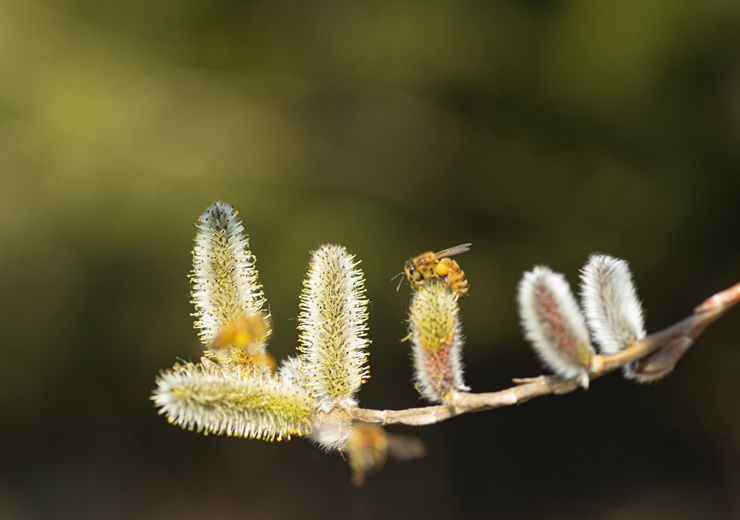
x=238, y=389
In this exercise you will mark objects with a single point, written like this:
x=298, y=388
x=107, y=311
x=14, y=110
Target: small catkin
x=436, y=339
x=554, y=324
x=613, y=311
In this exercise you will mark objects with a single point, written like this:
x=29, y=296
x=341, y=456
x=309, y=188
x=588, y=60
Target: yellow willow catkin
x=436, y=338
x=225, y=286
x=222, y=401
x=333, y=329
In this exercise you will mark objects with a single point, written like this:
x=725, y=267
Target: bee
x=439, y=265
x=246, y=332
x=369, y=446
x=241, y=343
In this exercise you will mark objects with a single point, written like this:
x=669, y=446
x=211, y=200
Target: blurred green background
x=540, y=131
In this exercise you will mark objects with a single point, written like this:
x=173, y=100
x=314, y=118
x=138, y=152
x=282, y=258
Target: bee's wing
x=452, y=251
x=405, y=447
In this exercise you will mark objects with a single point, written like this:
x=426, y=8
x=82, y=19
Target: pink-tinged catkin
x=554, y=325
x=436, y=338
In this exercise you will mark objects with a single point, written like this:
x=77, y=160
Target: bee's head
x=409, y=269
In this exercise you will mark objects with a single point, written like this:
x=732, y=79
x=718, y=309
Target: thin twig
x=678, y=336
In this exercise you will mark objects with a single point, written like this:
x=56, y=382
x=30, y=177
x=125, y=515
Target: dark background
x=540, y=131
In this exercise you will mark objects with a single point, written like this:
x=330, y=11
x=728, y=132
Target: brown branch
x=656, y=355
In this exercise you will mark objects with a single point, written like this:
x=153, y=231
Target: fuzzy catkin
x=223, y=401
x=290, y=371
x=333, y=328
x=554, y=324
x=613, y=311
x=224, y=279
x=436, y=340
